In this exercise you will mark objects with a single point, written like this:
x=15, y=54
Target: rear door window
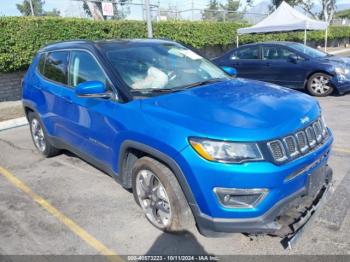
x=276, y=53
x=55, y=68
x=251, y=52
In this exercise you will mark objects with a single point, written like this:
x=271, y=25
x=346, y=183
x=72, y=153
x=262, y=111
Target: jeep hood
x=239, y=109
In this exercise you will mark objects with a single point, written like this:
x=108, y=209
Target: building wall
x=10, y=86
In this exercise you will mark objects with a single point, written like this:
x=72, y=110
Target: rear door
x=247, y=62
x=280, y=69
x=51, y=79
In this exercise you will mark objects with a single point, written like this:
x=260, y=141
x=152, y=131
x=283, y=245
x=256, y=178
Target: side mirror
x=229, y=70
x=92, y=89
x=293, y=59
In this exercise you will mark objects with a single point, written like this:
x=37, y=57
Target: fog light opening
x=240, y=198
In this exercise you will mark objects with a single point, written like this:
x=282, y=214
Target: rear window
x=55, y=66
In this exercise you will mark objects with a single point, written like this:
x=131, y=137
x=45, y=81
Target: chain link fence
x=186, y=10
x=210, y=15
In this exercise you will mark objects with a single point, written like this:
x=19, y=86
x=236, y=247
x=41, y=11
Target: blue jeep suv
x=193, y=143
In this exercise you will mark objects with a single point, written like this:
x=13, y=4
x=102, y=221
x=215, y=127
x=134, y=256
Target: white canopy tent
x=285, y=18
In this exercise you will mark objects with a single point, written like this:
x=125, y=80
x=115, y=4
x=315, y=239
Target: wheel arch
x=28, y=108
x=316, y=72
x=130, y=151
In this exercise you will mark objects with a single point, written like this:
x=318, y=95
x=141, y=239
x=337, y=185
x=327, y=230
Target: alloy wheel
x=153, y=198
x=320, y=84
x=38, y=135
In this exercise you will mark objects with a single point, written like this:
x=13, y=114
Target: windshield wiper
x=153, y=90
x=200, y=83
x=176, y=89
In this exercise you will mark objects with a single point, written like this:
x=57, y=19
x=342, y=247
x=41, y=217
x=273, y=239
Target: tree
x=25, y=9
x=231, y=8
x=328, y=8
x=276, y=3
x=118, y=13
x=212, y=11
x=250, y=2
x=53, y=12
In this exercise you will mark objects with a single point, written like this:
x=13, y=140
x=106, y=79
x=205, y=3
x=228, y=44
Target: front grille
x=301, y=142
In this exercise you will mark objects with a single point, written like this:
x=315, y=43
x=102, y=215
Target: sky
x=73, y=8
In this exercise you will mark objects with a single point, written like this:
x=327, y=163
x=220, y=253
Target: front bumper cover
x=342, y=85
x=273, y=221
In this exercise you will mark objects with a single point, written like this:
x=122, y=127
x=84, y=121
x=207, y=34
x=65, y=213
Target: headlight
x=229, y=152
x=342, y=71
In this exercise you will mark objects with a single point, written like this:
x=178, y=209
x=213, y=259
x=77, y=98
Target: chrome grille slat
x=277, y=149
x=291, y=145
x=317, y=130
x=311, y=137
x=302, y=142
x=323, y=127
x=299, y=143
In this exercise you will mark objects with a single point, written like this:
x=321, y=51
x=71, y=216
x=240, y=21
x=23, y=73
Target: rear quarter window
x=41, y=64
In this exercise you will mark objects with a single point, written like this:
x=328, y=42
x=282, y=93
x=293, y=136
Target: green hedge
x=21, y=37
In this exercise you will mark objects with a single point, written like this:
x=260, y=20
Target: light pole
x=148, y=19
x=31, y=7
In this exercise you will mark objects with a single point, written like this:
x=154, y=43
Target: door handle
x=68, y=99
x=267, y=64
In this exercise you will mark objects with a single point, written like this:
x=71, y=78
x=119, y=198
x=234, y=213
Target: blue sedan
x=292, y=65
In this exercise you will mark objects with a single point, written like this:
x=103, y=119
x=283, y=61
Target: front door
x=280, y=69
x=91, y=130
x=247, y=62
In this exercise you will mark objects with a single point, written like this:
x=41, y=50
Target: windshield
x=311, y=52
x=157, y=66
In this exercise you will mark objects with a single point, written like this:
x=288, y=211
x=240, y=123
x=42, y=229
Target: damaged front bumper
x=285, y=218
x=341, y=83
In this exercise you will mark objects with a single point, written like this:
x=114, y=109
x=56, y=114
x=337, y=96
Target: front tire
x=319, y=85
x=157, y=191
x=39, y=136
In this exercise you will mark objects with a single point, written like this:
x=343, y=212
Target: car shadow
x=184, y=243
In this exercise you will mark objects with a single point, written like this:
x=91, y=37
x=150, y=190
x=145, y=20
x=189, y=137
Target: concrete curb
x=12, y=123
x=340, y=51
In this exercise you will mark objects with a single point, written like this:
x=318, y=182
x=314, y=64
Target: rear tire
x=40, y=137
x=157, y=191
x=319, y=85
